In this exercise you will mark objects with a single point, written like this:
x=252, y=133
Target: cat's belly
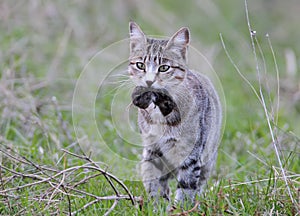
x=177, y=153
x=154, y=134
x=172, y=153
x=155, y=130
x=170, y=146
x=168, y=141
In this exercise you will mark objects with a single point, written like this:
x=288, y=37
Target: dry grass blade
x=185, y=213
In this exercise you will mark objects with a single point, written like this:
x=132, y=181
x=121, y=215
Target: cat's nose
x=149, y=83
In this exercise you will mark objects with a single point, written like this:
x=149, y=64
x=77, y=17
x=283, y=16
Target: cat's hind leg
x=205, y=172
x=187, y=183
x=192, y=177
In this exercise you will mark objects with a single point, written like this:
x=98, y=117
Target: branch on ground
x=50, y=187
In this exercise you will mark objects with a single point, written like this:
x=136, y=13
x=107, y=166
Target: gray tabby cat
x=179, y=115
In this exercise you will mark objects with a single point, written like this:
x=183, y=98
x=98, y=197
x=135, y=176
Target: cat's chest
x=154, y=128
x=153, y=125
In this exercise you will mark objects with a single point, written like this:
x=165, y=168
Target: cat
x=179, y=115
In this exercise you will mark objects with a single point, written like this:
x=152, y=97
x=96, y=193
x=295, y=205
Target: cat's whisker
x=120, y=76
x=129, y=106
x=108, y=92
x=118, y=82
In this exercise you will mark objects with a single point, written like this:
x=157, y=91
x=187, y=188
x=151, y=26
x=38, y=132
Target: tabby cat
x=179, y=115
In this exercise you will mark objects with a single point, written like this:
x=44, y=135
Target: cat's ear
x=180, y=38
x=179, y=42
x=137, y=38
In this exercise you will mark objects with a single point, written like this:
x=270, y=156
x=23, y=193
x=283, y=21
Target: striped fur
x=183, y=143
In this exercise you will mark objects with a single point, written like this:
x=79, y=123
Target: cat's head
x=157, y=63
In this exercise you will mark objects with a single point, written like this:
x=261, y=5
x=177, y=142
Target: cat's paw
x=142, y=97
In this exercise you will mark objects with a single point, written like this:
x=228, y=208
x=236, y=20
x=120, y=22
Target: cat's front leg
x=150, y=176
x=154, y=180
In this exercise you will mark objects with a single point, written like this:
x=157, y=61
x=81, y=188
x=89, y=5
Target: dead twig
x=106, y=174
x=51, y=186
x=185, y=213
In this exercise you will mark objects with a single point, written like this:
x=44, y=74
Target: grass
x=46, y=44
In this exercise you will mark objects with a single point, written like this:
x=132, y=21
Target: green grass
x=45, y=46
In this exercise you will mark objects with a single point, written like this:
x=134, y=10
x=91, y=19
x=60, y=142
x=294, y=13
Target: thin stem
x=274, y=141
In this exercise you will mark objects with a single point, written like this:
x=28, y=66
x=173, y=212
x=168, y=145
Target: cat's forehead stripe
x=144, y=59
x=155, y=47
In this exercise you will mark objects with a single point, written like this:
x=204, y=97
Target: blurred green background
x=44, y=46
x=53, y=40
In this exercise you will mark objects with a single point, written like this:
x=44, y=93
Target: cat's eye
x=140, y=65
x=163, y=68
